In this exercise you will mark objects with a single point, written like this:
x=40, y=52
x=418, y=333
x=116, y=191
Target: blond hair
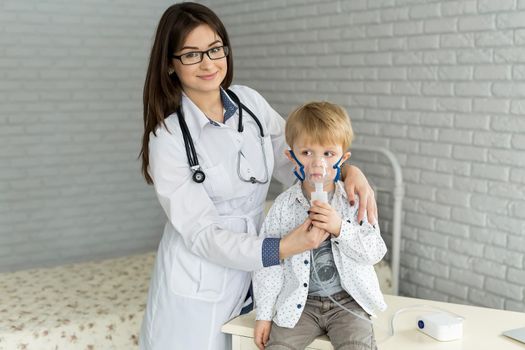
x=320, y=122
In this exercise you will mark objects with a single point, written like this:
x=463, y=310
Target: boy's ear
x=345, y=157
x=289, y=155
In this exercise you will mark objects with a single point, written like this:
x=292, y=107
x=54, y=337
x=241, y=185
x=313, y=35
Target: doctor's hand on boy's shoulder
x=325, y=217
x=261, y=333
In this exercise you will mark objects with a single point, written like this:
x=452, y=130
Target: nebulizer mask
x=318, y=174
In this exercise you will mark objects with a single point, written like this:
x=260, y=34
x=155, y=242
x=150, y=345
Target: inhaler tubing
x=332, y=299
x=390, y=330
x=316, y=196
x=322, y=196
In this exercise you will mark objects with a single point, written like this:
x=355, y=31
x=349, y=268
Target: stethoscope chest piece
x=198, y=176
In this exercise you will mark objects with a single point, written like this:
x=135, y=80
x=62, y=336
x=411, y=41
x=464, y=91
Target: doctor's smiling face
x=208, y=74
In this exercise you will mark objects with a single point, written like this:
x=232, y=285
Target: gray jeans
x=322, y=316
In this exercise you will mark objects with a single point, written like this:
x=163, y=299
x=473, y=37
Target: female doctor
x=211, y=162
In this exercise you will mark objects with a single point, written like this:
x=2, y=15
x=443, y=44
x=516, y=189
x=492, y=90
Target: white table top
x=482, y=327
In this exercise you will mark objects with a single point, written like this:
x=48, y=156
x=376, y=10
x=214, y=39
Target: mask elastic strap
x=338, y=170
x=302, y=176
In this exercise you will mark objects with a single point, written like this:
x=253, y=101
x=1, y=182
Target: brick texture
x=439, y=83
x=71, y=78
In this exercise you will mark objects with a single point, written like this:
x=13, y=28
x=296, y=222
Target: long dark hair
x=162, y=91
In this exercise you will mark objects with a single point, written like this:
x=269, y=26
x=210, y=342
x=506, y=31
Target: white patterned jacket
x=281, y=291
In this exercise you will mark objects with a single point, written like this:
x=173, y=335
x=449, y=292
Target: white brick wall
x=440, y=83
x=71, y=78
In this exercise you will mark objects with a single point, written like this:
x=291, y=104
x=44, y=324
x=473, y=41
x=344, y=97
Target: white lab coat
x=210, y=242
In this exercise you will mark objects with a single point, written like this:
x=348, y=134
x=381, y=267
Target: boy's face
x=318, y=160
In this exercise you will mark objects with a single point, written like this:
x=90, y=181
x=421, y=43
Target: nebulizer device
x=317, y=175
x=442, y=326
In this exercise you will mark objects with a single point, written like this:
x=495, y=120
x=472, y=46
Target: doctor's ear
x=170, y=70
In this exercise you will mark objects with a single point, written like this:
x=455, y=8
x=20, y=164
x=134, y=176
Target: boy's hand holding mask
x=323, y=216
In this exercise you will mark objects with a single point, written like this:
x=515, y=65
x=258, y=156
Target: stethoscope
x=198, y=174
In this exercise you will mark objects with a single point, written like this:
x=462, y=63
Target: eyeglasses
x=194, y=57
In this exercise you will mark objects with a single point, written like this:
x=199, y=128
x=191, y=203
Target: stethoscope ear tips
x=198, y=176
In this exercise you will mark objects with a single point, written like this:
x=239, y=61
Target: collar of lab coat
x=196, y=119
x=297, y=193
x=229, y=106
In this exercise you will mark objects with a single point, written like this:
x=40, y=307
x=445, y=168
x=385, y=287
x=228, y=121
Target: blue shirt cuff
x=270, y=251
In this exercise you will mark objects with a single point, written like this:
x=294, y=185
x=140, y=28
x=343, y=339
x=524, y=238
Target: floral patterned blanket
x=87, y=306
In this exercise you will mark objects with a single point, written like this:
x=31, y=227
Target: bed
x=384, y=172
x=88, y=306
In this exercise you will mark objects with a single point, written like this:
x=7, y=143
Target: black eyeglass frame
x=201, y=53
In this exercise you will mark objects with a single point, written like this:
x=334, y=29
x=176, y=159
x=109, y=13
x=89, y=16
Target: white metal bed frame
x=398, y=193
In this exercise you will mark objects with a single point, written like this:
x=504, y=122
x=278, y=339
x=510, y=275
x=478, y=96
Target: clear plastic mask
x=318, y=172
x=319, y=175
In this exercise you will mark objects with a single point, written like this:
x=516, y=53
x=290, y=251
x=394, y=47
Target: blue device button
x=421, y=324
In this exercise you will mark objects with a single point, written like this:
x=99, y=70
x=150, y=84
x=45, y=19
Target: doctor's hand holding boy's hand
x=325, y=217
x=261, y=333
x=304, y=237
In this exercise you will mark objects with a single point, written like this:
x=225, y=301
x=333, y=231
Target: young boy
x=299, y=294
